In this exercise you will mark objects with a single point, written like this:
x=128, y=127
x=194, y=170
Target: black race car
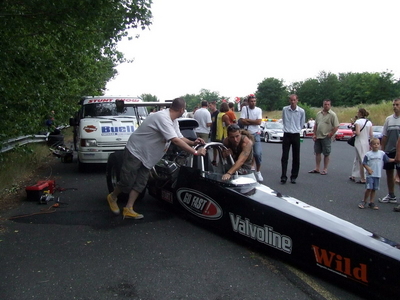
x=278, y=224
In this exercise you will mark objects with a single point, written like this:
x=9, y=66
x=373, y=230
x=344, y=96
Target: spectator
x=50, y=124
x=251, y=117
x=390, y=135
x=373, y=162
x=397, y=160
x=231, y=113
x=214, y=113
x=191, y=114
x=293, y=118
x=326, y=125
x=311, y=123
x=203, y=117
x=363, y=132
x=222, y=122
x=240, y=146
x=242, y=106
x=144, y=149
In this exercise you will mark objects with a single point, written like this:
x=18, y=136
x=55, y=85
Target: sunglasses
x=233, y=127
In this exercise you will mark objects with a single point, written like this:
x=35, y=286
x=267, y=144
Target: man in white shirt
x=145, y=147
x=203, y=117
x=293, y=118
x=251, y=117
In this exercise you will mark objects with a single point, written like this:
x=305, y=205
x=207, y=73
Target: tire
x=113, y=170
x=266, y=137
x=304, y=134
x=82, y=167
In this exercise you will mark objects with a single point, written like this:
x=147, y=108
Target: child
x=373, y=163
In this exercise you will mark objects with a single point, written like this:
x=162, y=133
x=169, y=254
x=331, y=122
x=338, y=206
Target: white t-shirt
x=152, y=138
x=253, y=114
x=203, y=116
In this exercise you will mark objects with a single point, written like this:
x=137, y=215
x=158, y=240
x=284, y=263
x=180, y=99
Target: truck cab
x=103, y=125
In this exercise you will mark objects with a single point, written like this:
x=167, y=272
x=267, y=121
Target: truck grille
x=111, y=144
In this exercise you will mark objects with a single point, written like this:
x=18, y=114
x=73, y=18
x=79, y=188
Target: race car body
x=280, y=225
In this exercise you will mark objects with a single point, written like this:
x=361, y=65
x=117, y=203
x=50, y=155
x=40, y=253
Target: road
x=82, y=251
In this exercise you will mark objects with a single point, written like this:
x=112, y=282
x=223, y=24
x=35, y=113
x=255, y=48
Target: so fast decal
x=199, y=204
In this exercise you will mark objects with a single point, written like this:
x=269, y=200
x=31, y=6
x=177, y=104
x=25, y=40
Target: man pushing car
x=145, y=147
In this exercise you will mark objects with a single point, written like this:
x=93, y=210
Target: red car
x=344, y=132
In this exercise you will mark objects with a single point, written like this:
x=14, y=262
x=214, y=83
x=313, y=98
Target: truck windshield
x=110, y=109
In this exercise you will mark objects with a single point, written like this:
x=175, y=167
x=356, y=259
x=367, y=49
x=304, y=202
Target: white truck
x=103, y=125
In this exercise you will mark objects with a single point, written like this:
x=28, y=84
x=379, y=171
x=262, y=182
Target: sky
x=230, y=46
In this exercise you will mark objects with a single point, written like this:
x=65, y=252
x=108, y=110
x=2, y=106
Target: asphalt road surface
x=82, y=251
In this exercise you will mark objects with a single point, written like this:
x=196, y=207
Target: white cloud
x=230, y=46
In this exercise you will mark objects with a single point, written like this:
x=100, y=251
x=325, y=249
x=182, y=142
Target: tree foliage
x=193, y=100
x=149, y=98
x=347, y=89
x=55, y=51
x=271, y=94
x=344, y=89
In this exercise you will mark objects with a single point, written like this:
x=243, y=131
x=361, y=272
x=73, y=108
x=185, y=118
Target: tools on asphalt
x=35, y=192
x=47, y=197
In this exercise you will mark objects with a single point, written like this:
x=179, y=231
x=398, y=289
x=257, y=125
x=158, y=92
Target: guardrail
x=27, y=139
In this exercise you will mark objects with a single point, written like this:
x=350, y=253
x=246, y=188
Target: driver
x=240, y=146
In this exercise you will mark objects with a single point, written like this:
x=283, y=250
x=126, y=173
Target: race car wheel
x=113, y=170
x=114, y=164
x=266, y=138
x=304, y=134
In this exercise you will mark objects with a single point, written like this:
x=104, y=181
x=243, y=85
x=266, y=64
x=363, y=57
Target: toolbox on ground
x=34, y=192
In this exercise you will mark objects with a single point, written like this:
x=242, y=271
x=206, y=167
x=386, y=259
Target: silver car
x=271, y=131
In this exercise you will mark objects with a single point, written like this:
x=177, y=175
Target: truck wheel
x=82, y=167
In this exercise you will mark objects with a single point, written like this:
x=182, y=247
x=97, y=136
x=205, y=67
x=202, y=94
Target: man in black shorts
x=391, y=133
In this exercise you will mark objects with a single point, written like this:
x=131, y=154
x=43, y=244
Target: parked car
x=307, y=132
x=271, y=131
x=377, y=131
x=344, y=132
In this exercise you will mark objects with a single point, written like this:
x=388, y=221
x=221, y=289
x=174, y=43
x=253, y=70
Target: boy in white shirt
x=373, y=163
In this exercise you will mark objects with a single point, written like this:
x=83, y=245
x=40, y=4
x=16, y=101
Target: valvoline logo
x=199, y=204
x=90, y=128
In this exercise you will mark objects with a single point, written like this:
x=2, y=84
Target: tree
x=192, y=101
x=209, y=96
x=366, y=87
x=55, y=51
x=308, y=92
x=271, y=94
x=149, y=98
x=328, y=87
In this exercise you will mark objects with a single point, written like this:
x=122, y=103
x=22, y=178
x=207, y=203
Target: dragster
x=280, y=225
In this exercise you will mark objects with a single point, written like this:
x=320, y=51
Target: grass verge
x=20, y=167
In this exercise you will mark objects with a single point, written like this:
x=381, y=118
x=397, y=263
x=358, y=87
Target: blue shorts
x=372, y=183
